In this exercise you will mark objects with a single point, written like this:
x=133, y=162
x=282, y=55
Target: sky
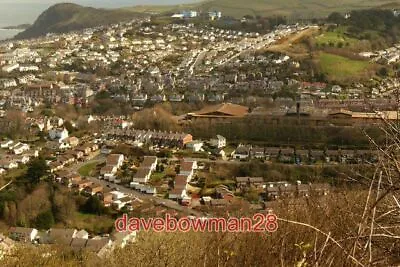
x=15, y=12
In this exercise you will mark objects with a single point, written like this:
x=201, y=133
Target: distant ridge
x=66, y=17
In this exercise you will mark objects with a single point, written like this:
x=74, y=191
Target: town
x=177, y=117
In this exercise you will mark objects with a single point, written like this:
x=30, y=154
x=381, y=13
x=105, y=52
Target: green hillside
x=301, y=8
x=68, y=17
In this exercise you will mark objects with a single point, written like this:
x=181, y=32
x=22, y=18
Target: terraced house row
x=141, y=137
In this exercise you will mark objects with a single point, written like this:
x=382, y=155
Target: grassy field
x=341, y=68
x=87, y=169
x=303, y=8
x=335, y=37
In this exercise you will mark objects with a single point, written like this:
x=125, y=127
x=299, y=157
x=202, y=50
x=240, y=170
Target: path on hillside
x=286, y=45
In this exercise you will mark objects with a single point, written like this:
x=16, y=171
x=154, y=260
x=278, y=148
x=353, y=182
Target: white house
x=109, y=172
x=115, y=160
x=177, y=193
x=20, y=148
x=58, y=133
x=142, y=175
x=6, y=144
x=195, y=146
x=241, y=152
x=2, y=171
x=218, y=142
x=149, y=162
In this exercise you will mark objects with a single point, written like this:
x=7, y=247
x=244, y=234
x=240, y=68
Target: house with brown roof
x=149, y=162
x=224, y=110
x=82, y=185
x=142, y=176
x=71, y=179
x=61, y=236
x=187, y=169
x=115, y=160
x=109, y=172
x=93, y=189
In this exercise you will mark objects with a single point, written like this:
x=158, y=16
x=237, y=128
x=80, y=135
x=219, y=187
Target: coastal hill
x=68, y=17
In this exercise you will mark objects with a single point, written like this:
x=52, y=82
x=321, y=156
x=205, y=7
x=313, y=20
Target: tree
x=93, y=205
x=383, y=72
x=37, y=168
x=44, y=220
x=336, y=18
x=6, y=212
x=69, y=127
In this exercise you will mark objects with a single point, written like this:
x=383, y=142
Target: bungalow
x=61, y=236
x=177, y=193
x=142, y=175
x=82, y=185
x=23, y=234
x=241, y=152
x=115, y=160
x=109, y=172
x=71, y=179
x=149, y=162
x=187, y=169
x=93, y=189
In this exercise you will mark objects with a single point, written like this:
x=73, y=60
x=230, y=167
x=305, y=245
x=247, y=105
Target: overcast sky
x=13, y=12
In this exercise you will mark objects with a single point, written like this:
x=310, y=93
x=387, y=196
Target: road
x=160, y=201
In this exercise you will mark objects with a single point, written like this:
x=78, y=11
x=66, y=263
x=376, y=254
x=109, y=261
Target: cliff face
x=69, y=17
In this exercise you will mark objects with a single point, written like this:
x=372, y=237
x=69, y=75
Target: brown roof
x=96, y=244
x=223, y=110
x=141, y=173
x=148, y=161
x=180, y=181
x=61, y=236
x=113, y=159
x=187, y=166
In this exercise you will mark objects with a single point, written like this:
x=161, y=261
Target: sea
x=8, y=34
